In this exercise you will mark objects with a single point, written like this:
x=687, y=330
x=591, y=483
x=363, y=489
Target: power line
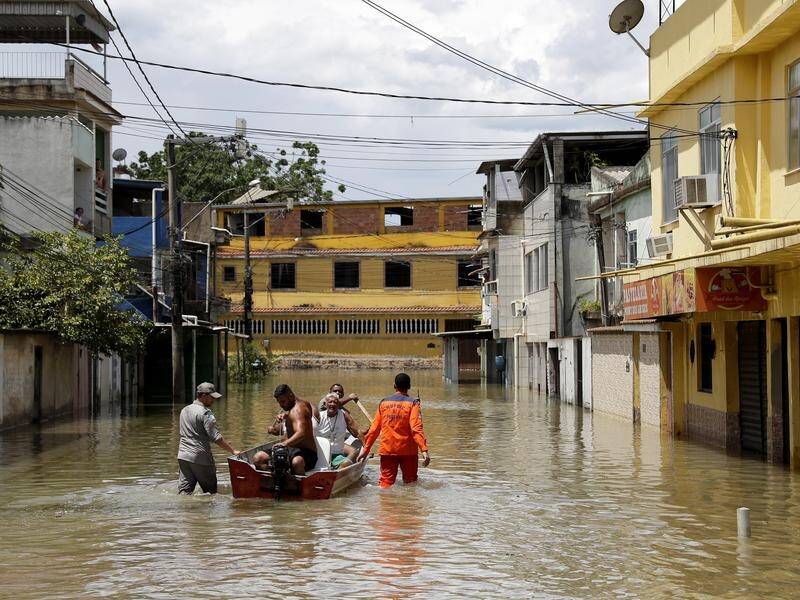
x=141, y=69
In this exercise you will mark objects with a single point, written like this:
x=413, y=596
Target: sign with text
x=670, y=294
x=729, y=288
x=700, y=290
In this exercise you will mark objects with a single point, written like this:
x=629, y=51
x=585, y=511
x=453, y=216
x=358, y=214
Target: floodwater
x=524, y=498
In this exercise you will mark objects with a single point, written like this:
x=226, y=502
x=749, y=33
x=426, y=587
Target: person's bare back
x=298, y=419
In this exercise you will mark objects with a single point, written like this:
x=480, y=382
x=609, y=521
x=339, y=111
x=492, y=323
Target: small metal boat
x=279, y=483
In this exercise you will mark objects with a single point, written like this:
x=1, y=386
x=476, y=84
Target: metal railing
x=32, y=65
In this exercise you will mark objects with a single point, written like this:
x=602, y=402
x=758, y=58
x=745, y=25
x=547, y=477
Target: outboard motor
x=280, y=468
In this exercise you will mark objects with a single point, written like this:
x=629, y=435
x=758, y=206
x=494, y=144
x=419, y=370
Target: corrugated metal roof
x=400, y=311
x=45, y=21
x=253, y=195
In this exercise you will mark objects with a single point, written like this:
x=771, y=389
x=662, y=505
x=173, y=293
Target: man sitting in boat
x=299, y=429
x=334, y=424
x=338, y=389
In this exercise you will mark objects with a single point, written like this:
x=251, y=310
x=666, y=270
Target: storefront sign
x=700, y=290
x=670, y=294
x=730, y=289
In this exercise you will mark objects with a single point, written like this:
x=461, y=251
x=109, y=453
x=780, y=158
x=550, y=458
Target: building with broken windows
x=366, y=277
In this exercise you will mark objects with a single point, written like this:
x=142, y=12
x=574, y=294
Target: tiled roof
x=398, y=310
x=235, y=253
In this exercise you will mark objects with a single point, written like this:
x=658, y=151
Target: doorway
x=753, y=386
x=36, y=415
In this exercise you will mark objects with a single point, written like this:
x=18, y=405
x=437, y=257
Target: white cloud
x=560, y=44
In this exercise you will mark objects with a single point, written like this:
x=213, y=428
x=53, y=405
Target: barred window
x=357, y=326
x=412, y=326
x=237, y=326
x=299, y=327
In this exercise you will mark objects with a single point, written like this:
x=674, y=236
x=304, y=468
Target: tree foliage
x=72, y=287
x=207, y=169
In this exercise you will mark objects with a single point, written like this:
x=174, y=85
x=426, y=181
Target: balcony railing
x=32, y=65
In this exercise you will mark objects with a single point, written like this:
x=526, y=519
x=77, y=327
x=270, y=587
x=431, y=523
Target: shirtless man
x=299, y=429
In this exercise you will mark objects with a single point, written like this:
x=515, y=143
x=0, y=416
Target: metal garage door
x=753, y=385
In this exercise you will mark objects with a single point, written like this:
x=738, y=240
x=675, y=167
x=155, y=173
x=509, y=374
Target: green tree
x=69, y=285
x=207, y=169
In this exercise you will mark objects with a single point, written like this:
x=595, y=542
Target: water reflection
x=524, y=497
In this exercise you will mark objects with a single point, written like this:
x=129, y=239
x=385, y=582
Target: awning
x=472, y=333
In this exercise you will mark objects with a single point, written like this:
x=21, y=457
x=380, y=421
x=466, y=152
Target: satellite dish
x=625, y=17
x=119, y=154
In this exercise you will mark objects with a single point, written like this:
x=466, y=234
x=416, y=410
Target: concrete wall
x=612, y=374
x=60, y=391
x=539, y=230
x=509, y=285
x=586, y=347
x=39, y=151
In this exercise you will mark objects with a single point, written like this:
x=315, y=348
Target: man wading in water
x=399, y=423
x=198, y=428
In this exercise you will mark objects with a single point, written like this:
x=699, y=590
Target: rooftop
x=45, y=21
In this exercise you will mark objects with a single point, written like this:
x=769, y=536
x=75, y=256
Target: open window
x=398, y=216
x=312, y=222
x=706, y=358
x=229, y=274
x=468, y=273
x=474, y=217
x=282, y=276
x=346, y=275
x=397, y=274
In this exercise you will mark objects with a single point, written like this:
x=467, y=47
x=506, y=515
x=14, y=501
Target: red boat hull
x=248, y=482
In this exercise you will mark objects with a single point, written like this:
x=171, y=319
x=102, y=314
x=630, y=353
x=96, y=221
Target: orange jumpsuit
x=399, y=423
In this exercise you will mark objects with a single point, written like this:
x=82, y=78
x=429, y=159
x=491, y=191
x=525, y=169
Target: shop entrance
x=753, y=386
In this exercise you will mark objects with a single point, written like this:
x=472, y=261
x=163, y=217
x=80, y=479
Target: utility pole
x=178, y=384
x=597, y=224
x=248, y=280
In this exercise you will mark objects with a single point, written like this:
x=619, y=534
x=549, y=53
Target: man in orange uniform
x=399, y=423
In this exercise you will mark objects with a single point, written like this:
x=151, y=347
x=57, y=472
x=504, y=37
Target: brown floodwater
x=524, y=498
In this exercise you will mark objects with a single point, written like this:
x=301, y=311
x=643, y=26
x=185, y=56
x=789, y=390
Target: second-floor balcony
x=53, y=69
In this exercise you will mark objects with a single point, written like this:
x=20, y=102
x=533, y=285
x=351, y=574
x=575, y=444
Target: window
x=237, y=326
x=299, y=327
x=345, y=275
x=794, y=116
x=474, y=217
x=529, y=273
x=710, y=121
x=398, y=216
x=633, y=248
x=282, y=276
x=397, y=274
x=229, y=274
x=492, y=265
x=543, y=282
x=311, y=222
x=412, y=326
x=669, y=173
x=256, y=221
x=357, y=327
x=707, y=348
x=468, y=273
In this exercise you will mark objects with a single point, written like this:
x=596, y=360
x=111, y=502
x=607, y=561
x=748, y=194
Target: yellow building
x=724, y=296
x=369, y=277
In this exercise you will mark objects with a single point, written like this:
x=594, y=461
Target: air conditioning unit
x=697, y=191
x=518, y=308
x=659, y=245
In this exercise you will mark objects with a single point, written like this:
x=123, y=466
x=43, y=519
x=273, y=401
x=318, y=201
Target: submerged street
x=524, y=497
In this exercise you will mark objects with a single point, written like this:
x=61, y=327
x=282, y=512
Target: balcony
x=62, y=74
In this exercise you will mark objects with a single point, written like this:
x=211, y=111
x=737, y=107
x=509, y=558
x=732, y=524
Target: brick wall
x=455, y=218
x=649, y=379
x=286, y=225
x=426, y=218
x=612, y=384
x=364, y=220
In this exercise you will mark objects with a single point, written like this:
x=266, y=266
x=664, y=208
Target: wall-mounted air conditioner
x=659, y=245
x=518, y=308
x=697, y=191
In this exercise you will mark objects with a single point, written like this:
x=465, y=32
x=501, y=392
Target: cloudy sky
x=564, y=45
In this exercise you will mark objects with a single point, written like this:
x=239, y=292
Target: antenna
x=119, y=154
x=625, y=17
